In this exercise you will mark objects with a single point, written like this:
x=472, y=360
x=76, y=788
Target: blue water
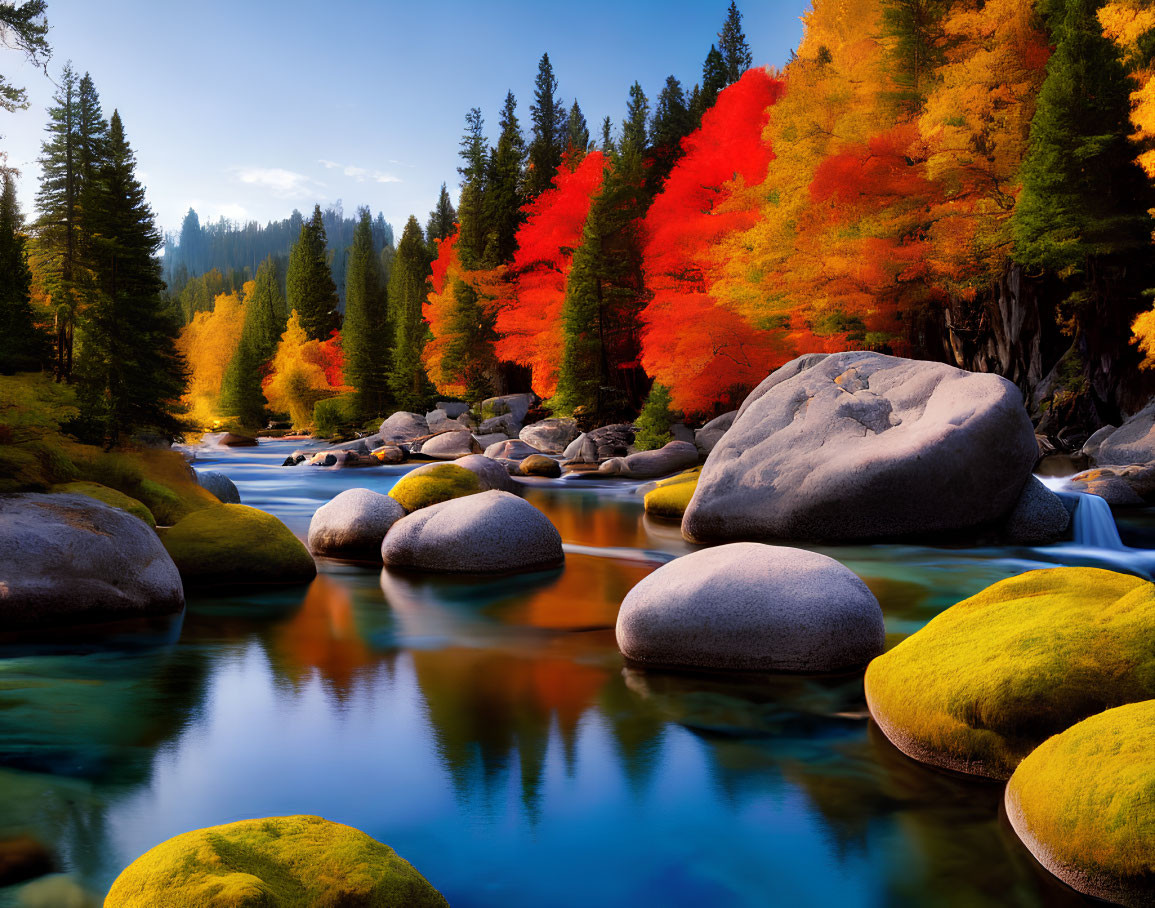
x=492, y=735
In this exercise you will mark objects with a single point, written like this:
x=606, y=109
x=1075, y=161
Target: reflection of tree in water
x=81, y=726
x=587, y=518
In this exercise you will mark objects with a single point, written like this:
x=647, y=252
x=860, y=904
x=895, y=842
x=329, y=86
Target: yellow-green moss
x=160, y=479
x=283, y=861
x=672, y=496
x=990, y=678
x=441, y=482
x=1087, y=797
x=236, y=544
x=109, y=496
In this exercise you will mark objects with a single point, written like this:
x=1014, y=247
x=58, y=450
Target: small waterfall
x=1095, y=524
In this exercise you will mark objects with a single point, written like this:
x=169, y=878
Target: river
x=491, y=734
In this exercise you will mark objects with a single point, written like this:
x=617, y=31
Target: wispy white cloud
x=285, y=184
x=361, y=174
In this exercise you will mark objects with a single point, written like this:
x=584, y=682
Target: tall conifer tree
x=366, y=335
x=22, y=346
x=442, y=220
x=408, y=286
x=311, y=291
x=733, y=47
x=504, y=197
x=549, y=125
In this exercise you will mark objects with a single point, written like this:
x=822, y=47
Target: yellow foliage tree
x=303, y=372
x=208, y=342
x=1125, y=22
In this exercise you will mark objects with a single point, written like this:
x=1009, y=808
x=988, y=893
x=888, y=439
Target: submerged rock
x=299, y=860
x=486, y=533
x=220, y=485
x=69, y=559
x=353, y=524
x=865, y=446
x=235, y=545
x=752, y=607
x=1081, y=803
x=989, y=679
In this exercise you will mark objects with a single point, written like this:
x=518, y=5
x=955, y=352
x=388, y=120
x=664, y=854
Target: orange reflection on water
x=588, y=520
x=586, y=595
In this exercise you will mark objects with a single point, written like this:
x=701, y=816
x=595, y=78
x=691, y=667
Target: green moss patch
x=109, y=496
x=438, y=483
x=284, y=861
x=233, y=544
x=990, y=678
x=672, y=496
x=1084, y=803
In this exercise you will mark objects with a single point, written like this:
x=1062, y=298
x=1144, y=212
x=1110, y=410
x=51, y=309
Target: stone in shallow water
x=748, y=606
x=69, y=559
x=353, y=524
x=490, y=532
x=989, y=679
x=433, y=483
x=1082, y=803
x=864, y=446
x=220, y=485
x=298, y=860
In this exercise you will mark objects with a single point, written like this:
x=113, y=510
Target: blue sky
x=249, y=109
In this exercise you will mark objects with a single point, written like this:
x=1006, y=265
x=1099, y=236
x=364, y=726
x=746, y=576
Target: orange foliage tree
x=303, y=372
x=530, y=302
x=693, y=342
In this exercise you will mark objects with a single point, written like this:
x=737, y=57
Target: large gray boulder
x=353, y=524
x=711, y=433
x=752, y=607
x=860, y=445
x=550, y=436
x=491, y=532
x=492, y=474
x=403, y=427
x=69, y=559
x=220, y=485
x=1038, y=517
x=513, y=449
x=674, y=457
x=1132, y=442
x=451, y=445
x=1095, y=440
x=601, y=444
x=516, y=404
x=452, y=408
x=505, y=424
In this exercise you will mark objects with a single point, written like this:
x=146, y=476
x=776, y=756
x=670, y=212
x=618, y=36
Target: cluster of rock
x=1012, y=684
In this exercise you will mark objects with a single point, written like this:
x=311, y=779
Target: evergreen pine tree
x=310, y=289
x=241, y=395
x=22, y=345
x=914, y=32
x=130, y=373
x=442, y=220
x=634, y=125
x=608, y=146
x=503, y=196
x=672, y=123
x=366, y=335
x=58, y=228
x=653, y=423
x=408, y=286
x=733, y=47
x=266, y=313
x=549, y=128
x=469, y=355
x=473, y=232
x=577, y=135
x=714, y=79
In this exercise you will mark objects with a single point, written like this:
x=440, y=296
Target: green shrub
x=653, y=423
x=334, y=414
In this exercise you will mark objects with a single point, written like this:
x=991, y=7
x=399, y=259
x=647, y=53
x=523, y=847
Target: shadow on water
x=488, y=729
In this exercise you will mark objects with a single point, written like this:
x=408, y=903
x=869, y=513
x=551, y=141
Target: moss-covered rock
x=434, y=484
x=672, y=496
x=235, y=544
x=985, y=682
x=283, y=861
x=108, y=496
x=1084, y=804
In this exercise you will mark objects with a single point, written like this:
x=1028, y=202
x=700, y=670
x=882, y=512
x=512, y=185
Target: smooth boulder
x=490, y=473
x=69, y=559
x=452, y=408
x=515, y=404
x=220, y=485
x=670, y=497
x=111, y=497
x=1084, y=805
x=513, y=449
x=235, y=545
x=707, y=437
x=493, y=532
x=1132, y=442
x=858, y=446
x=752, y=607
x=298, y=860
x=550, y=436
x=403, y=427
x=353, y=524
x=989, y=679
x=1037, y=518
x=665, y=461
x=450, y=445
x=539, y=465
x=434, y=483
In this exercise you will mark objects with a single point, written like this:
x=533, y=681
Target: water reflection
x=488, y=729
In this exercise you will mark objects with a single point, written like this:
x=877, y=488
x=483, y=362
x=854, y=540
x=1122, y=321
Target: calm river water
x=491, y=734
